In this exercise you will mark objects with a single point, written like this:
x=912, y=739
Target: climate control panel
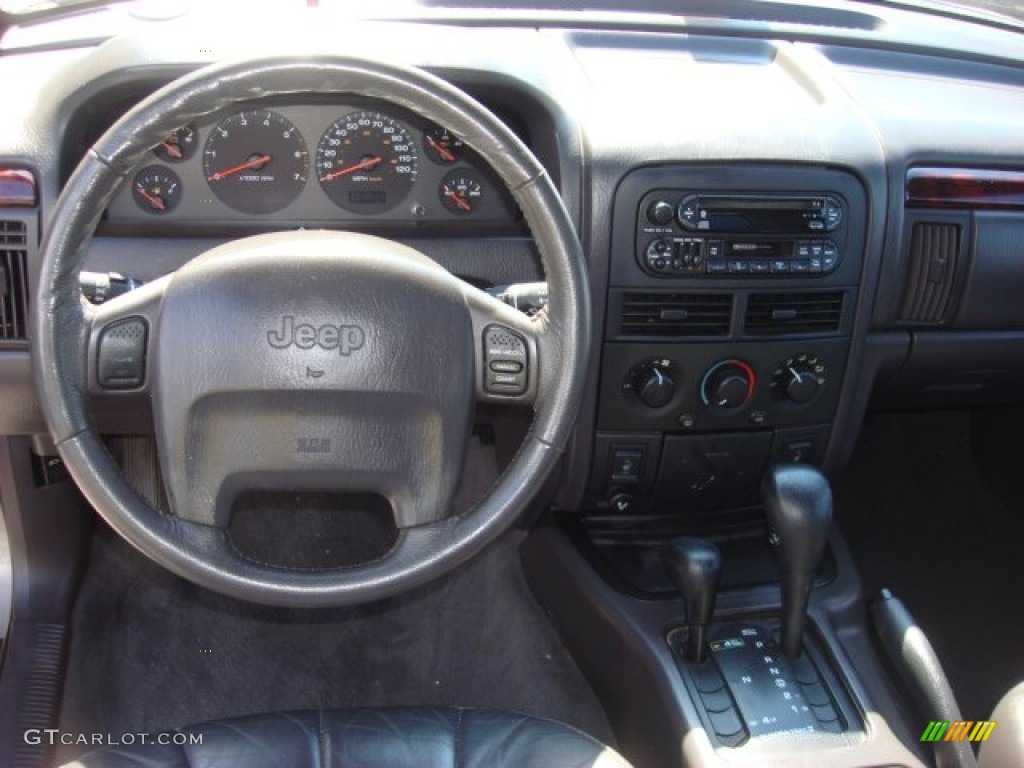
x=692, y=387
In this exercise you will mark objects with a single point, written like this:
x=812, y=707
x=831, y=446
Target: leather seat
x=1005, y=747
x=404, y=737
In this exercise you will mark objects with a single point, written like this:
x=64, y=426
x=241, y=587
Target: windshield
x=1011, y=9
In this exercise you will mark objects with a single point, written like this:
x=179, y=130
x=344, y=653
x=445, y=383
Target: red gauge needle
x=459, y=201
x=447, y=156
x=153, y=200
x=352, y=168
x=261, y=160
x=173, y=150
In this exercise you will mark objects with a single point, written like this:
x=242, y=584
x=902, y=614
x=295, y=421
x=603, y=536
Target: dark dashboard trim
x=17, y=188
x=964, y=188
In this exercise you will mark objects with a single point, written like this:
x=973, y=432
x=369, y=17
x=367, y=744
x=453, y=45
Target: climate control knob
x=655, y=387
x=798, y=379
x=728, y=385
x=653, y=382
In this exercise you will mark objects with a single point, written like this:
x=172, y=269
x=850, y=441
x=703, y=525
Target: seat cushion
x=401, y=737
x=1005, y=747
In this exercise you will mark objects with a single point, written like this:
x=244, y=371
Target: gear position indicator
x=769, y=690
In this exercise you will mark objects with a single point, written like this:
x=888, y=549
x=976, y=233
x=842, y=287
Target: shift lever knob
x=798, y=505
x=695, y=566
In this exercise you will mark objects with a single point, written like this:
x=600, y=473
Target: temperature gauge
x=156, y=189
x=461, y=192
x=179, y=146
x=441, y=145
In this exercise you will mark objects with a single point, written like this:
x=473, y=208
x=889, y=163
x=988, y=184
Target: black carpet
x=922, y=520
x=150, y=651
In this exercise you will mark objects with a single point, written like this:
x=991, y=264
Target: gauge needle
x=260, y=160
x=153, y=200
x=447, y=156
x=173, y=150
x=460, y=201
x=352, y=168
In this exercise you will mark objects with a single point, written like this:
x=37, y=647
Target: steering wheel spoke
x=120, y=333
x=507, y=355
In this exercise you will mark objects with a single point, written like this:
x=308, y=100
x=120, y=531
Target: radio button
x=759, y=267
x=800, y=266
x=779, y=266
x=738, y=267
x=715, y=249
x=687, y=213
x=815, y=265
x=833, y=213
x=803, y=249
x=717, y=267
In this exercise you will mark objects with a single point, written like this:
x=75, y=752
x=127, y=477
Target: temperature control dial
x=798, y=378
x=728, y=385
x=653, y=382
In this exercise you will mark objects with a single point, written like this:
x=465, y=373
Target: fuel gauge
x=441, y=145
x=461, y=192
x=179, y=145
x=156, y=189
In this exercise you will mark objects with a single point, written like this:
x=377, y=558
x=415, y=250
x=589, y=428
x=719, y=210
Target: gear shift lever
x=798, y=505
x=695, y=566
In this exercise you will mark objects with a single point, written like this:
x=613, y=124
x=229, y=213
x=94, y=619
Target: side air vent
x=780, y=313
x=13, y=280
x=932, y=267
x=676, y=314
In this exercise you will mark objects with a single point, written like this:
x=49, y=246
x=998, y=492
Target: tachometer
x=366, y=162
x=256, y=161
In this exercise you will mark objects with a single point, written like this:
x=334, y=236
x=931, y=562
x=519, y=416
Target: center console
x=732, y=292
x=698, y=585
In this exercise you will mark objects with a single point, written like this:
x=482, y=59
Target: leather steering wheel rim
x=62, y=321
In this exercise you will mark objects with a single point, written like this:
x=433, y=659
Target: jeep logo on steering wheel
x=344, y=338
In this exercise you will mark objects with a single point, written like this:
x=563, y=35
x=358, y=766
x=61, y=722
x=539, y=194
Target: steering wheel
x=399, y=350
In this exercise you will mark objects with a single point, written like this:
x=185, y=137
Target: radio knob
x=728, y=385
x=655, y=387
x=660, y=213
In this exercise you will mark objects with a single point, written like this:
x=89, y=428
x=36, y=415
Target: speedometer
x=366, y=162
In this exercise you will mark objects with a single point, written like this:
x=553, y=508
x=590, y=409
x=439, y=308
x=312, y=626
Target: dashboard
x=819, y=289
x=338, y=164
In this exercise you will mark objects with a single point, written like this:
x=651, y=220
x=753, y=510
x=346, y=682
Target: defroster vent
x=676, y=314
x=798, y=312
x=13, y=280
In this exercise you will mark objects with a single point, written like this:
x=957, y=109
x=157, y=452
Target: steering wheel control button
x=506, y=366
x=507, y=361
x=121, y=355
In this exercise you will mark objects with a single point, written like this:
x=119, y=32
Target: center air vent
x=676, y=314
x=780, y=313
x=13, y=280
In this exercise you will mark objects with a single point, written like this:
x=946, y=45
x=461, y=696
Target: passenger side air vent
x=771, y=314
x=676, y=314
x=931, y=269
x=13, y=280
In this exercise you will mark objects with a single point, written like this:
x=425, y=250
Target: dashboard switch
x=627, y=464
x=121, y=354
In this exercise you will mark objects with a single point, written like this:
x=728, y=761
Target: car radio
x=691, y=234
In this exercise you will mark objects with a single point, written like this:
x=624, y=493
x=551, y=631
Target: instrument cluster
x=313, y=165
